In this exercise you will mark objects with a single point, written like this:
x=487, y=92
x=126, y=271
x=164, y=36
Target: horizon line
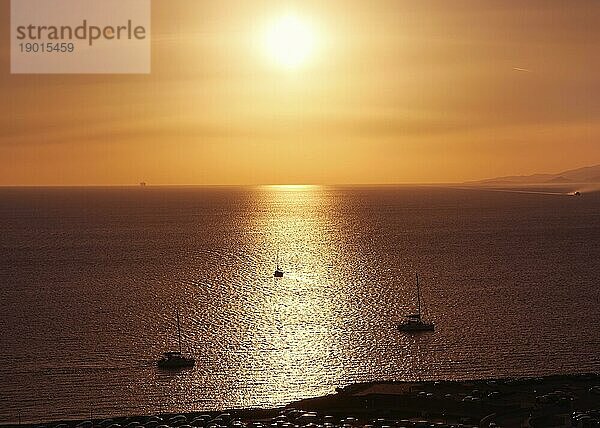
x=479, y=183
x=139, y=185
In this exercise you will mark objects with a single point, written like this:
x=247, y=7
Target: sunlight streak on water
x=293, y=320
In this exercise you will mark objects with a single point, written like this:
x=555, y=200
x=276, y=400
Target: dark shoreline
x=508, y=402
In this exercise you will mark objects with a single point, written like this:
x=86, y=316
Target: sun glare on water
x=290, y=41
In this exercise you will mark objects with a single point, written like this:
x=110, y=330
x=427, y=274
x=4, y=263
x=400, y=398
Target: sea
x=91, y=280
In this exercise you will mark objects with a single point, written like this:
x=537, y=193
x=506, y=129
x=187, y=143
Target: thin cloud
x=525, y=70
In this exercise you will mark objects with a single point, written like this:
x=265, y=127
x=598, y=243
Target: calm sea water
x=90, y=280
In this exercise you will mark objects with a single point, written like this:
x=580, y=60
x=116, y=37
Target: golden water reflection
x=330, y=321
x=293, y=334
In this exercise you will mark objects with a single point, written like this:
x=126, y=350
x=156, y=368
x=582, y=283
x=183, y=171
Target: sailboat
x=176, y=359
x=278, y=272
x=414, y=322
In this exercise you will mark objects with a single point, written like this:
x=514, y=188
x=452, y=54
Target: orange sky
x=396, y=91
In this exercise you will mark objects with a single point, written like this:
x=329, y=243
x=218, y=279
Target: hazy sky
x=395, y=91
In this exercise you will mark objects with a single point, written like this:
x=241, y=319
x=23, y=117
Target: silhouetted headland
x=588, y=175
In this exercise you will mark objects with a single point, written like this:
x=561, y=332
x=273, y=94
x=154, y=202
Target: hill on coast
x=588, y=174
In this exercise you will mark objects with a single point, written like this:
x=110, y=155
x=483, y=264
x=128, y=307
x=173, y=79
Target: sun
x=289, y=41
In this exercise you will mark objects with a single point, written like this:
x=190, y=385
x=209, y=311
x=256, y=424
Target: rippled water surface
x=90, y=280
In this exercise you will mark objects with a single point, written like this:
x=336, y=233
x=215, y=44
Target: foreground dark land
x=555, y=401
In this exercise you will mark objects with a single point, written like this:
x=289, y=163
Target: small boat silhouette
x=175, y=359
x=414, y=322
x=278, y=272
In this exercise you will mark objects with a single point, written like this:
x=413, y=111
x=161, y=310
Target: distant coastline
x=585, y=175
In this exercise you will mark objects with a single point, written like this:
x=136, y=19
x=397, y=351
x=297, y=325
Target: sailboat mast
x=178, y=331
x=418, y=296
